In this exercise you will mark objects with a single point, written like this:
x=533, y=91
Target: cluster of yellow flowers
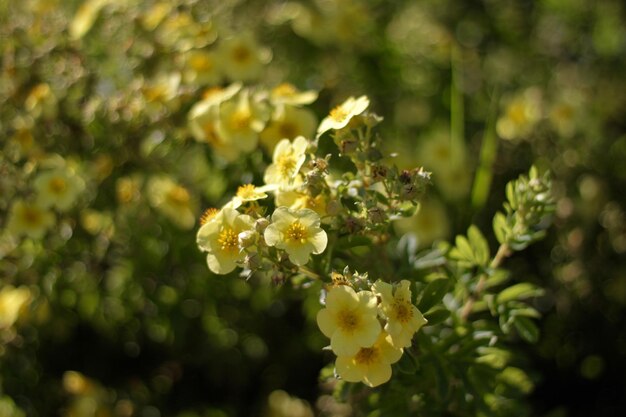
x=365, y=348
x=368, y=329
x=234, y=119
x=57, y=187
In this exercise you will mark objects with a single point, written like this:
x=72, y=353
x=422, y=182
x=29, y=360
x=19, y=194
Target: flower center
x=228, y=240
x=285, y=90
x=208, y=215
x=201, y=63
x=210, y=135
x=338, y=114
x=241, y=54
x=286, y=165
x=367, y=356
x=296, y=232
x=348, y=321
x=57, y=185
x=31, y=216
x=240, y=120
x=178, y=196
x=287, y=130
x=246, y=191
x=517, y=113
x=402, y=311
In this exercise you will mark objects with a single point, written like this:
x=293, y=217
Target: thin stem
x=503, y=252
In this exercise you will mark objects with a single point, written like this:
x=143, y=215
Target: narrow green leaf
x=500, y=227
x=464, y=248
x=519, y=292
x=433, y=293
x=526, y=328
x=436, y=316
x=479, y=245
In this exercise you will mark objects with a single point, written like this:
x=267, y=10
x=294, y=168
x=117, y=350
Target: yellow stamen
x=348, y=321
x=297, y=232
x=208, y=215
x=367, y=356
x=246, y=191
x=241, y=54
x=338, y=114
x=402, y=310
x=287, y=130
x=285, y=90
x=57, y=185
x=228, y=240
x=240, y=120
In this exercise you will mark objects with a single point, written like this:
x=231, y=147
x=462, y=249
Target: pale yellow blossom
x=202, y=67
x=241, y=119
x=297, y=232
x=403, y=318
x=30, y=219
x=286, y=162
x=242, y=58
x=341, y=115
x=287, y=94
x=13, y=302
x=522, y=112
x=349, y=320
x=370, y=365
x=219, y=236
x=287, y=122
x=58, y=188
x=172, y=200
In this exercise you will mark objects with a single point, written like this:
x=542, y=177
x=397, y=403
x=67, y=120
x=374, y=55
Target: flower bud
x=247, y=238
x=261, y=224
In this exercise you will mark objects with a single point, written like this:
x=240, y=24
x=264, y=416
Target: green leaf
x=516, y=379
x=519, y=292
x=464, y=248
x=436, y=316
x=500, y=228
x=479, y=245
x=433, y=293
x=526, y=329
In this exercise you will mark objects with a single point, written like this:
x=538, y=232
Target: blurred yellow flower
x=242, y=58
x=403, y=318
x=288, y=122
x=521, y=114
x=203, y=120
x=85, y=17
x=13, y=302
x=349, y=320
x=287, y=94
x=429, y=223
x=370, y=365
x=241, y=119
x=219, y=236
x=297, y=232
x=58, y=188
x=202, y=67
x=341, y=115
x=286, y=162
x=172, y=200
x=29, y=219
x=41, y=101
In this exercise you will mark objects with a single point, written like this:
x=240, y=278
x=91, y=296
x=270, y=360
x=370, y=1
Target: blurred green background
x=110, y=309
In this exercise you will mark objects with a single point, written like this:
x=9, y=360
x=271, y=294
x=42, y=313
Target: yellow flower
x=172, y=200
x=286, y=162
x=403, y=318
x=370, y=365
x=58, y=188
x=219, y=236
x=287, y=94
x=161, y=93
x=202, y=67
x=349, y=320
x=13, y=302
x=29, y=219
x=341, y=115
x=41, y=101
x=241, y=119
x=287, y=122
x=521, y=114
x=429, y=223
x=297, y=232
x=248, y=192
x=242, y=58
x=203, y=119
x=296, y=200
